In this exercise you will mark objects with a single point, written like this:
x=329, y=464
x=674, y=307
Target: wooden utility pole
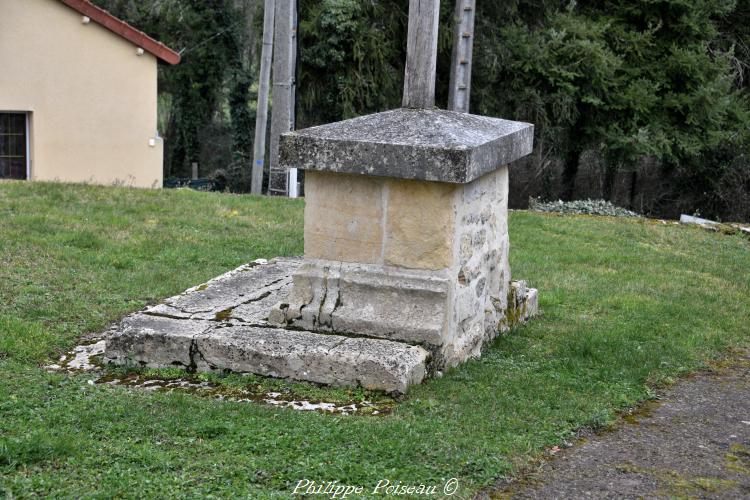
x=463, y=48
x=284, y=69
x=421, y=54
x=261, y=118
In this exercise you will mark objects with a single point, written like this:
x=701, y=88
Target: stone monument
x=406, y=229
x=405, y=271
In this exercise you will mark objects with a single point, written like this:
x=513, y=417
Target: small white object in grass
x=689, y=219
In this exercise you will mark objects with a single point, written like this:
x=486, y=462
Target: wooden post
x=261, y=118
x=463, y=48
x=421, y=54
x=194, y=167
x=284, y=66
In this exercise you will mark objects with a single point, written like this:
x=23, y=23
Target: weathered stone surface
x=255, y=313
x=221, y=325
x=689, y=219
x=523, y=304
x=401, y=307
x=480, y=265
x=343, y=217
x=158, y=342
x=217, y=298
x=327, y=359
x=154, y=341
x=531, y=307
x=444, y=277
x=377, y=301
x=432, y=145
x=419, y=224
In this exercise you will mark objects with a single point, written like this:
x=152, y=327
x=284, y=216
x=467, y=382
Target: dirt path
x=694, y=444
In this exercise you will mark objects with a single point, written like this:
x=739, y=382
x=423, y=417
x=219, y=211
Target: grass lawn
x=628, y=305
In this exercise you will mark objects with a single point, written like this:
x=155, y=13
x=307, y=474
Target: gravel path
x=694, y=444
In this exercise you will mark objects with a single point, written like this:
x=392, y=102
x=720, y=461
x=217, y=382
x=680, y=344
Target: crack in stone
x=188, y=311
x=226, y=314
x=192, y=312
x=193, y=366
x=317, y=319
x=286, y=276
x=165, y=315
x=336, y=345
x=350, y=335
x=337, y=304
x=194, y=351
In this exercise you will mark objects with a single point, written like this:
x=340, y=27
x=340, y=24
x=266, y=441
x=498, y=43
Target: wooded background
x=642, y=102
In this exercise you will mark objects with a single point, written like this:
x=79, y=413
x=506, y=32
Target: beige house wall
x=92, y=100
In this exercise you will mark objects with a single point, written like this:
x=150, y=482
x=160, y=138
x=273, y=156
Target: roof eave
x=123, y=29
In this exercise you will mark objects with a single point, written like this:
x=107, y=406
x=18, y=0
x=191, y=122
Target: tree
x=212, y=38
x=351, y=58
x=627, y=79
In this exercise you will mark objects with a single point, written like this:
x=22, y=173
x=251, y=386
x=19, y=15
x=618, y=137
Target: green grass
x=628, y=305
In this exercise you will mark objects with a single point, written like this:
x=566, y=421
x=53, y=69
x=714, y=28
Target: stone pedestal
x=406, y=233
x=405, y=270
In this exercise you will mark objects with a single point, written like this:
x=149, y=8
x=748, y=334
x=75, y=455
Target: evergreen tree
x=208, y=33
x=625, y=78
x=351, y=58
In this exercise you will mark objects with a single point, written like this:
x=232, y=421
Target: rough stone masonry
x=406, y=253
x=406, y=230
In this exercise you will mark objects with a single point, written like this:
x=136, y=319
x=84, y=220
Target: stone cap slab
x=419, y=144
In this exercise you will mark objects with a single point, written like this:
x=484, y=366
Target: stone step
x=403, y=305
x=244, y=294
x=224, y=325
x=203, y=345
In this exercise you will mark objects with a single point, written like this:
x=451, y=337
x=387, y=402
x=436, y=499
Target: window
x=13, y=146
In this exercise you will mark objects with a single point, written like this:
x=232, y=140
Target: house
x=78, y=95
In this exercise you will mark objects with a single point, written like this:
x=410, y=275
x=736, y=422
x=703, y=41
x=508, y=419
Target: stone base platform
x=222, y=325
